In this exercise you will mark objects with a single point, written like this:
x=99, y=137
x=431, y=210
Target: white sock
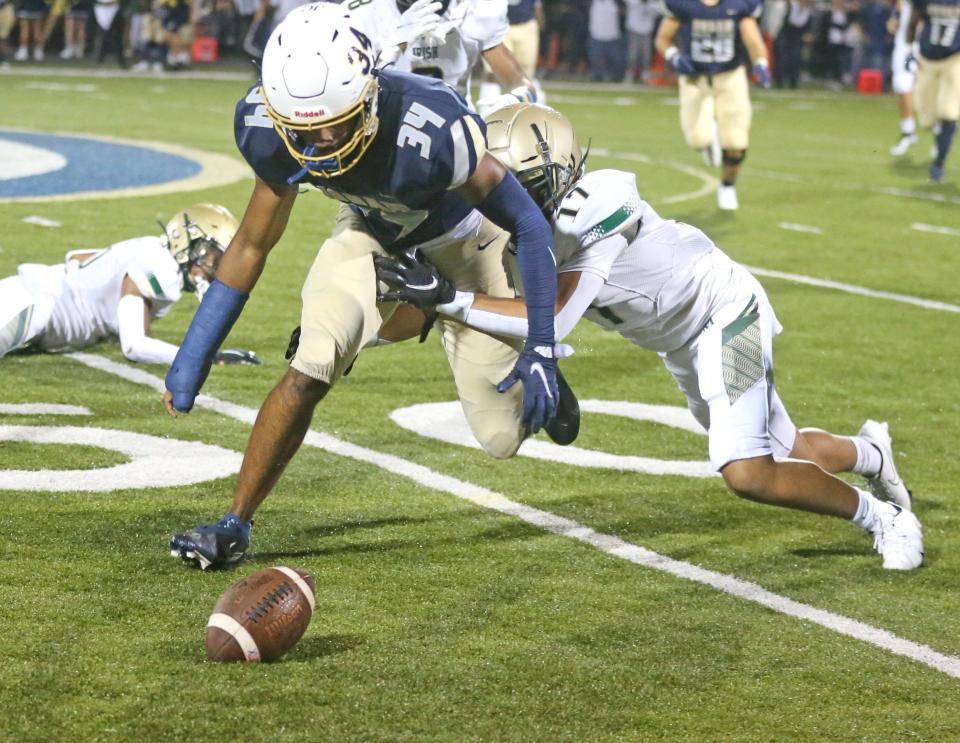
x=869, y=459
x=908, y=126
x=868, y=511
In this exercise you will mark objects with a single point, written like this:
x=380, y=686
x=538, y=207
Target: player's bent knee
x=734, y=157
x=501, y=444
x=303, y=387
x=748, y=478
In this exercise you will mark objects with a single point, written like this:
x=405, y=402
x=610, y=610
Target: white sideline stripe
x=42, y=408
x=239, y=633
x=710, y=183
x=927, y=304
x=921, y=227
x=793, y=226
x=300, y=583
x=560, y=526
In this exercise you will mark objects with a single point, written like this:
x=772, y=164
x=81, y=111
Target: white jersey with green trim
x=85, y=295
x=468, y=28
x=662, y=281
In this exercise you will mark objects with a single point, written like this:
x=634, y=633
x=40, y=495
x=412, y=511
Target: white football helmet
x=198, y=237
x=318, y=73
x=538, y=144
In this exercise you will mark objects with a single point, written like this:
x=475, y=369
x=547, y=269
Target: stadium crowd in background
x=825, y=40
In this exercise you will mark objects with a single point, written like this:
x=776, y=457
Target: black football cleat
x=213, y=545
x=565, y=426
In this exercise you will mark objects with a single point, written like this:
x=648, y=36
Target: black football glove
x=293, y=345
x=237, y=356
x=536, y=368
x=414, y=280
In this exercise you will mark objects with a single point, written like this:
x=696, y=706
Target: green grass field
x=439, y=619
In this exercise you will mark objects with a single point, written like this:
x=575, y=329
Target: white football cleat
x=886, y=484
x=22, y=54
x=727, y=198
x=898, y=537
x=903, y=144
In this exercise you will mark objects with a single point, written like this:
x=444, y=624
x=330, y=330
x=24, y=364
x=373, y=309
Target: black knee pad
x=729, y=159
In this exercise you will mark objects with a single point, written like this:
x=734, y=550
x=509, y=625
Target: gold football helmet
x=539, y=145
x=198, y=237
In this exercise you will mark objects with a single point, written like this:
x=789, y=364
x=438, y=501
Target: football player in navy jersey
x=410, y=159
x=937, y=91
x=708, y=43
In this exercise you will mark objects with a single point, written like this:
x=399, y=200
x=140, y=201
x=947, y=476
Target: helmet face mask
x=319, y=86
x=362, y=126
x=197, y=239
x=539, y=145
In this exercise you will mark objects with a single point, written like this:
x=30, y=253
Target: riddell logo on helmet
x=310, y=113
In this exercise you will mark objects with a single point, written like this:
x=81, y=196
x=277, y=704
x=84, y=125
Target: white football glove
x=419, y=19
x=486, y=106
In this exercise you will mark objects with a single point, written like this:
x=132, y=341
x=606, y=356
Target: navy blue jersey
x=710, y=34
x=427, y=144
x=520, y=11
x=940, y=36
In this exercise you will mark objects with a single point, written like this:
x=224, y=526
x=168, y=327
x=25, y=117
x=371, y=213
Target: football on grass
x=261, y=617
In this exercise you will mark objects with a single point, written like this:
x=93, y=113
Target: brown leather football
x=261, y=617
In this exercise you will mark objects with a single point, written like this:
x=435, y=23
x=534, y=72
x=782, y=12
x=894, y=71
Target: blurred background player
x=526, y=20
x=937, y=91
x=664, y=286
x=904, y=76
x=445, y=39
x=118, y=291
x=409, y=157
x=707, y=43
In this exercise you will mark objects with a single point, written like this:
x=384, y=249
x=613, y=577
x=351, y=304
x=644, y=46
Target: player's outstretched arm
x=133, y=325
x=417, y=282
x=261, y=227
x=499, y=196
x=506, y=70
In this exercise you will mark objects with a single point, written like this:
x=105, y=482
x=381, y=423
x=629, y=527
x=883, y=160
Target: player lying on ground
x=409, y=157
x=118, y=291
x=665, y=286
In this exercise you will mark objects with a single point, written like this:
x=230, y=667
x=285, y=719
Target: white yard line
x=935, y=229
x=794, y=227
x=42, y=408
x=710, y=182
x=927, y=304
x=564, y=527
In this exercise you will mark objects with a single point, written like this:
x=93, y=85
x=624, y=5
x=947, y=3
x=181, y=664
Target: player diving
x=664, y=286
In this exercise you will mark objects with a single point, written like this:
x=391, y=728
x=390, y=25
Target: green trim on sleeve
x=609, y=225
x=155, y=285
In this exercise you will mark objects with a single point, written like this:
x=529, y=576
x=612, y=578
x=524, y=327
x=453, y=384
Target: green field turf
x=438, y=619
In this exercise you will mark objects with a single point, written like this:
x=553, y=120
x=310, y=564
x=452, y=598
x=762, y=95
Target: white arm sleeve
x=461, y=309
x=134, y=341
